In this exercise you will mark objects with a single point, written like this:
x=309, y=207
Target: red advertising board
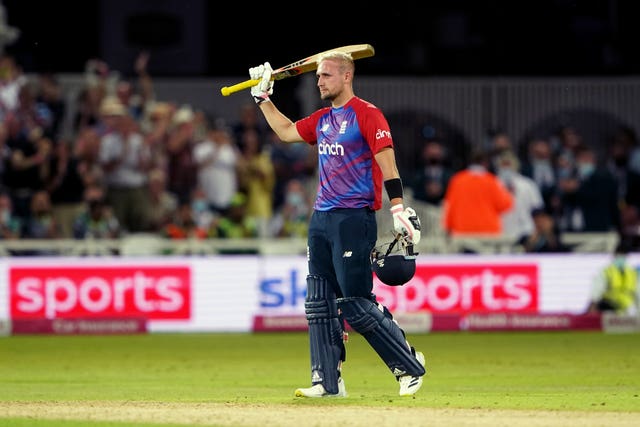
x=465, y=288
x=131, y=291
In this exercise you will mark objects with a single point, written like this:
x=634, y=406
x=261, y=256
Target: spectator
x=51, y=96
x=517, y=223
x=202, y=213
x=125, y=159
x=622, y=149
x=156, y=128
x=42, y=224
x=546, y=235
x=12, y=79
x=500, y=141
x=291, y=161
x=35, y=117
x=591, y=197
x=87, y=151
x=136, y=98
x=10, y=225
x=292, y=218
x=540, y=166
x=217, y=161
x=181, y=166
x=617, y=163
x=99, y=82
x=183, y=225
x=615, y=288
x=570, y=141
x=87, y=112
x=430, y=182
x=28, y=166
x=257, y=181
x=475, y=200
x=249, y=120
x=237, y=224
x=630, y=224
x=66, y=187
x=162, y=203
x=97, y=220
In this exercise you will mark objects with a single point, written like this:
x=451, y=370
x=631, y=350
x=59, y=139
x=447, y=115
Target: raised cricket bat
x=305, y=65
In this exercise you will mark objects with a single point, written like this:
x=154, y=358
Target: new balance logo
x=347, y=254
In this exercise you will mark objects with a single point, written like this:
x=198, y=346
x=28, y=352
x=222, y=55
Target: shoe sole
x=421, y=360
x=300, y=393
x=342, y=392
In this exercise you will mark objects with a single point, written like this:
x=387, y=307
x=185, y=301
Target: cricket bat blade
x=357, y=51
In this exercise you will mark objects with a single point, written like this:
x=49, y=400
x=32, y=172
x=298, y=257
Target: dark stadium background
x=454, y=37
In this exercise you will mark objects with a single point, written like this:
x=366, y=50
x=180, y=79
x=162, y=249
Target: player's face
x=330, y=80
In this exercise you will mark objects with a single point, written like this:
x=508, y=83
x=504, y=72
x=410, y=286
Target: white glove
x=406, y=223
x=262, y=90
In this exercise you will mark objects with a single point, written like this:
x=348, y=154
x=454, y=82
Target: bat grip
x=228, y=90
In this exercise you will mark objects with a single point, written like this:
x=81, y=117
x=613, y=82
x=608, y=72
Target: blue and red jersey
x=347, y=139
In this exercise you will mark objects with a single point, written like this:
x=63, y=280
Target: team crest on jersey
x=343, y=127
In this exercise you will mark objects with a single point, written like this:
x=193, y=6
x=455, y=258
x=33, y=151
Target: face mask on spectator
x=585, y=170
x=541, y=163
x=295, y=199
x=505, y=175
x=199, y=206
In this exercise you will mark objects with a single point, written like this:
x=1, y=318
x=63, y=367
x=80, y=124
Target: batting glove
x=406, y=223
x=262, y=90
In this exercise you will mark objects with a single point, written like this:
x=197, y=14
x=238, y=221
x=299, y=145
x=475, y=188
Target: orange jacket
x=473, y=203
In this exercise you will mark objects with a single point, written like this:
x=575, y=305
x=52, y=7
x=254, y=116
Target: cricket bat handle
x=228, y=90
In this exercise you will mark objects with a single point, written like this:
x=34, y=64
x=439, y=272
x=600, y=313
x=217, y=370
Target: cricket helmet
x=394, y=269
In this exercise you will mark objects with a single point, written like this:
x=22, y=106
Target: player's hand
x=262, y=90
x=406, y=223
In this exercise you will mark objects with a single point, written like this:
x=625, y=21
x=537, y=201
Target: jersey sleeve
x=307, y=126
x=375, y=128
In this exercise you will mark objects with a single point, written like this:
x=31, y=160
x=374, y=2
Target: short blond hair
x=345, y=59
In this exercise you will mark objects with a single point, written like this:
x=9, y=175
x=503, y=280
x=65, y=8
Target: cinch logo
x=464, y=289
x=382, y=134
x=100, y=291
x=334, y=149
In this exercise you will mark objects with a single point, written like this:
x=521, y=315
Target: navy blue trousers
x=339, y=248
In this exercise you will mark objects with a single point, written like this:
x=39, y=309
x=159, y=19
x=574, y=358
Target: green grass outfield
x=556, y=371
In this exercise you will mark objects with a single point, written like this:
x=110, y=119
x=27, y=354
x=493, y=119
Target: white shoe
x=409, y=384
x=318, y=390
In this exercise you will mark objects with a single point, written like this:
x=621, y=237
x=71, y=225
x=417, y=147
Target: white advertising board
x=225, y=293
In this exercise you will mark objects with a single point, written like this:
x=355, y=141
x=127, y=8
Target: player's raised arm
x=281, y=124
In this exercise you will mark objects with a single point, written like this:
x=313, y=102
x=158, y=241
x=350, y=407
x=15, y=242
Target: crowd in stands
x=558, y=185
x=137, y=164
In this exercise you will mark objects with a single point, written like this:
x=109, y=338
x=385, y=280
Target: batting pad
x=325, y=333
x=382, y=333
